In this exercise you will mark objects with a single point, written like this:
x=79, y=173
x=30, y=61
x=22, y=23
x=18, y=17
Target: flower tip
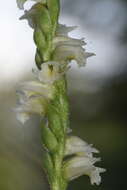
x=23, y=16
x=95, y=177
x=22, y=117
x=90, y=54
x=20, y=4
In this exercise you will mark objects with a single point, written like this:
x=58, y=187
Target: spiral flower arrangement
x=66, y=156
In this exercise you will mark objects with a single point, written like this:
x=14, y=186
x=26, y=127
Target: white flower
x=34, y=105
x=66, y=53
x=20, y=3
x=82, y=160
x=63, y=30
x=49, y=73
x=33, y=96
x=75, y=145
x=82, y=165
x=67, y=48
x=36, y=88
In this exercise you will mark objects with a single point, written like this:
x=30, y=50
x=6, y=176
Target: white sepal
x=67, y=48
x=68, y=52
x=75, y=145
x=63, y=30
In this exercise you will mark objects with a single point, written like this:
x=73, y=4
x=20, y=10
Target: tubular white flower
x=67, y=48
x=33, y=96
x=75, y=145
x=82, y=162
x=49, y=73
x=66, y=53
x=33, y=105
x=82, y=165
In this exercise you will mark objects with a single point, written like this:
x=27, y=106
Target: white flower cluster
x=34, y=95
x=82, y=161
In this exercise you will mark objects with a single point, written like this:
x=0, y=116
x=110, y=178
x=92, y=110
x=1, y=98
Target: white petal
x=22, y=117
x=35, y=105
x=37, y=88
x=22, y=98
x=67, y=48
x=75, y=145
x=64, y=30
x=70, y=52
x=62, y=40
x=95, y=177
x=50, y=72
x=79, y=166
x=20, y=3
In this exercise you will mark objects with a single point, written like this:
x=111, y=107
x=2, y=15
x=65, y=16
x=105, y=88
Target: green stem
x=58, y=123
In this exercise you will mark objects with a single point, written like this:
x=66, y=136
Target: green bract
x=54, y=7
x=39, y=19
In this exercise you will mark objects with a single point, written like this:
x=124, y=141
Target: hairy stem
x=53, y=133
x=60, y=105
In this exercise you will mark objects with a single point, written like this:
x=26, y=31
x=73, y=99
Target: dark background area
x=98, y=98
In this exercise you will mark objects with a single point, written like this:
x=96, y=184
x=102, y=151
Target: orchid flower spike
x=66, y=157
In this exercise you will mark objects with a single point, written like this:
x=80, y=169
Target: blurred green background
x=97, y=94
